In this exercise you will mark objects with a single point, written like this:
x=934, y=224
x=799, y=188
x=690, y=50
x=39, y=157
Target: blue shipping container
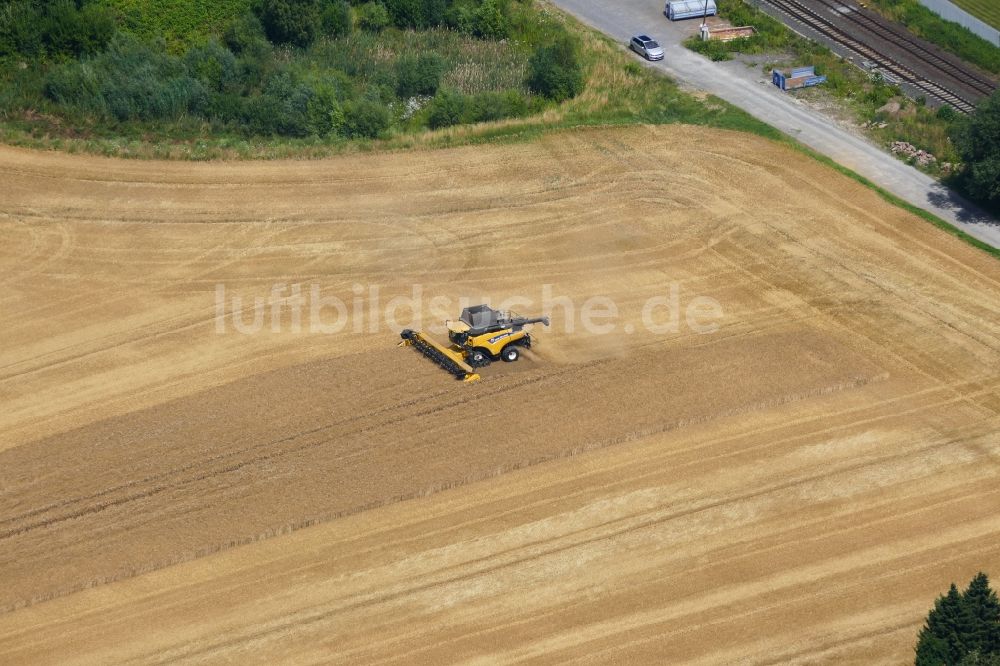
x=800, y=77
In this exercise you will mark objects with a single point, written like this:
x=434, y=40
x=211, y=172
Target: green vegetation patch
x=179, y=22
x=312, y=77
x=324, y=70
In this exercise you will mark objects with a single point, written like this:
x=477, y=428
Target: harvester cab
x=478, y=337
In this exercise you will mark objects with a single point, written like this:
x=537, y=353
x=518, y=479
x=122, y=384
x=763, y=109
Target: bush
x=213, y=65
x=267, y=114
x=373, y=16
x=715, y=51
x=294, y=22
x=291, y=112
x=490, y=20
x=260, y=115
x=325, y=115
x=461, y=18
x=946, y=112
x=364, y=119
x=446, y=109
x=245, y=35
x=337, y=20
x=224, y=108
x=130, y=81
x=488, y=106
x=555, y=70
x=880, y=92
x=75, y=85
x=419, y=75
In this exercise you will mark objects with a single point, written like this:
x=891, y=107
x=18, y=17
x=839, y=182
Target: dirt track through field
x=796, y=485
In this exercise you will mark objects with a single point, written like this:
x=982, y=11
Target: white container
x=676, y=10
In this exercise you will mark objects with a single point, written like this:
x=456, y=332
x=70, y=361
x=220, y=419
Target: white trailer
x=685, y=9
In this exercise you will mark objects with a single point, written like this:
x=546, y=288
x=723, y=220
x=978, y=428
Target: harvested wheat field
x=795, y=486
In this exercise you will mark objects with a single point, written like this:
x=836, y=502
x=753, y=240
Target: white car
x=646, y=47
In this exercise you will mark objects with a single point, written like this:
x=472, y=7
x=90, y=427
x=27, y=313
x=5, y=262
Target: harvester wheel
x=478, y=358
x=510, y=353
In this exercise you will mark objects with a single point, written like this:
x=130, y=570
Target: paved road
x=742, y=87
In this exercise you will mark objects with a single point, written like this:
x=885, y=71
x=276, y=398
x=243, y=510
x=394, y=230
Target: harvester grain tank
x=676, y=10
x=478, y=337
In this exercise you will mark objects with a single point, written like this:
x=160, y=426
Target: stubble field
x=794, y=487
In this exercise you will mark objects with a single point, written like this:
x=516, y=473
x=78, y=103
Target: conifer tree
x=941, y=642
x=984, y=609
x=963, y=629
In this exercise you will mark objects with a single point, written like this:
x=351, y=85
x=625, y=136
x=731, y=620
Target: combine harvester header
x=451, y=360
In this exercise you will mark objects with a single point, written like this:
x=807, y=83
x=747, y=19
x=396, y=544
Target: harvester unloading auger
x=481, y=335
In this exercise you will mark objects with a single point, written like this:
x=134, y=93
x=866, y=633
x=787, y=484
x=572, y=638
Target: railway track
x=814, y=20
x=904, y=39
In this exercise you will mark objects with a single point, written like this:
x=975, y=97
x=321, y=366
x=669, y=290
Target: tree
x=977, y=139
x=963, y=628
x=294, y=22
x=941, y=639
x=555, y=70
x=984, y=608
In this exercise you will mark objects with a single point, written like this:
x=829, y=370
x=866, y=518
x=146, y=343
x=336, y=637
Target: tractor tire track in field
x=345, y=446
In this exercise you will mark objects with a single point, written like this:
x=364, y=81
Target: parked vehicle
x=646, y=47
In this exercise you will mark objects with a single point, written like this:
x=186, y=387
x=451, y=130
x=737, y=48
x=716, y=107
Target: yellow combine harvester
x=481, y=335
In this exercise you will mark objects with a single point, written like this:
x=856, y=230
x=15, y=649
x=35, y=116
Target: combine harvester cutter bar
x=449, y=360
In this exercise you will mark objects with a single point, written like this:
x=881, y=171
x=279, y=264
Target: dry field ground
x=795, y=487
